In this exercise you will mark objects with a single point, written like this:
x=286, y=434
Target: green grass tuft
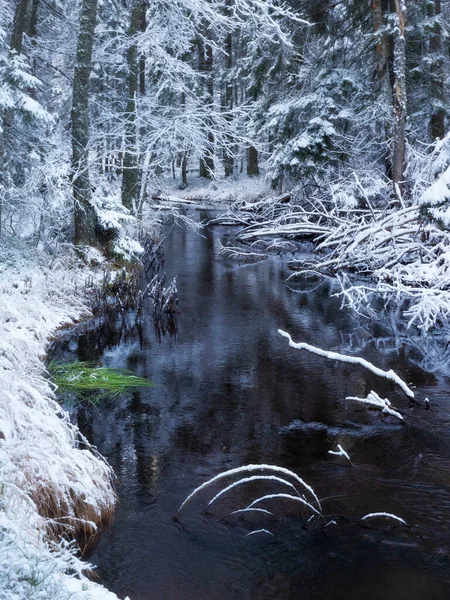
x=92, y=382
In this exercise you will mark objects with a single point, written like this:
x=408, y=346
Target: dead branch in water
x=356, y=360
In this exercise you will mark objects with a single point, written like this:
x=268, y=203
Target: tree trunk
x=384, y=79
x=21, y=24
x=184, y=163
x=399, y=99
x=130, y=177
x=252, y=162
x=205, y=65
x=143, y=19
x=437, y=120
x=32, y=32
x=85, y=217
x=228, y=158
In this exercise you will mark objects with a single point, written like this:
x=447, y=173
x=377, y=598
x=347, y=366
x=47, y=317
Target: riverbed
x=229, y=392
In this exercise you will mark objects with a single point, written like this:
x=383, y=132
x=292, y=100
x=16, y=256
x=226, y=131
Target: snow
x=439, y=191
x=39, y=447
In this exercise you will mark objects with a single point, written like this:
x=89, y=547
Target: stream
x=228, y=392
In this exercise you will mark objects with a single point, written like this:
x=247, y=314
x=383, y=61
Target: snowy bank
x=51, y=482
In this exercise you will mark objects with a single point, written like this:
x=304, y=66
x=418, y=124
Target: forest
x=164, y=166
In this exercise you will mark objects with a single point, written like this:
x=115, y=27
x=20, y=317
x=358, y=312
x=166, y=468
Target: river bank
x=53, y=484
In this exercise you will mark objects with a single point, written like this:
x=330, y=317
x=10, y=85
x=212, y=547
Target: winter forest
x=224, y=299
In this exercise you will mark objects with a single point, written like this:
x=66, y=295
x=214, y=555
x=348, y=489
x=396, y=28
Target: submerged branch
x=356, y=360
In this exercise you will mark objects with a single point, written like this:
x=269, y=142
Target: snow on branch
x=340, y=452
x=373, y=399
x=356, y=360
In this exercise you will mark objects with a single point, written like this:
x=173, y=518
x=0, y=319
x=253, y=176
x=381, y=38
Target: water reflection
x=229, y=392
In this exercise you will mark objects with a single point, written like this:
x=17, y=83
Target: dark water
x=230, y=392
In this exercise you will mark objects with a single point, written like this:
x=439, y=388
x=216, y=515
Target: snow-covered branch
x=355, y=360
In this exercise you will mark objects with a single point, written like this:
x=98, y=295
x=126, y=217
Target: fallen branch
x=340, y=452
x=373, y=399
x=356, y=360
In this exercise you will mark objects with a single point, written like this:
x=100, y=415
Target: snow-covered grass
x=251, y=469
x=51, y=481
x=277, y=499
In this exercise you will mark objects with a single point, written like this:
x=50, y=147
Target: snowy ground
x=220, y=192
x=49, y=479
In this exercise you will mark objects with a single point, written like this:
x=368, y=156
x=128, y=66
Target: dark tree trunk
x=437, y=120
x=205, y=65
x=252, y=162
x=21, y=24
x=130, y=177
x=34, y=20
x=142, y=57
x=228, y=159
x=384, y=75
x=85, y=217
x=399, y=98
x=184, y=162
x=25, y=23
